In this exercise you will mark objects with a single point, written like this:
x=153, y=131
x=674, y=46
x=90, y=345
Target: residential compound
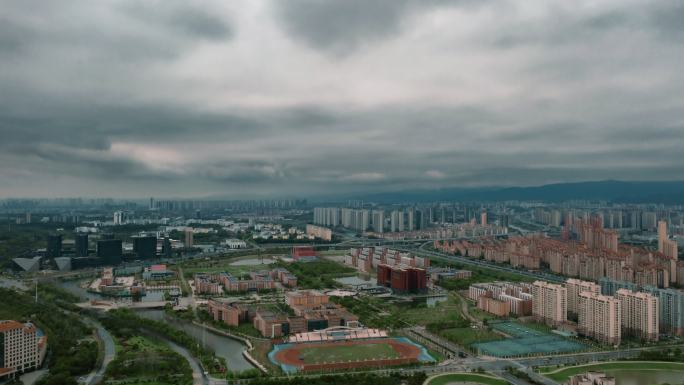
x=408, y=222
x=216, y=284
x=610, y=311
x=368, y=258
x=320, y=232
x=503, y=298
x=594, y=255
x=22, y=347
x=311, y=310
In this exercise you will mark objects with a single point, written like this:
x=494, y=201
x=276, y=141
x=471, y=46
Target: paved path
x=109, y=353
x=198, y=377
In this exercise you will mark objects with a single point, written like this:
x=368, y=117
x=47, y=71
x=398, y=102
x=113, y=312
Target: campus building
x=312, y=311
x=402, y=278
x=22, y=348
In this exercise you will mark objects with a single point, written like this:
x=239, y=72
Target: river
x=227, y=348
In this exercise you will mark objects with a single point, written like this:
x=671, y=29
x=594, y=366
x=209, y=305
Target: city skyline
x=308, y=98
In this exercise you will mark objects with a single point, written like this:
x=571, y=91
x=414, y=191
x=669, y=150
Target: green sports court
x=525, y=342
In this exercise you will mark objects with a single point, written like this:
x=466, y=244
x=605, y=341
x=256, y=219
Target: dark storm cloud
x=342, y=26
x=179, y=16
x=124, y=97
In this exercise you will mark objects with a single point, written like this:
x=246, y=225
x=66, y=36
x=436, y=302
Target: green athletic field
x=343, y=353
x=453, y=378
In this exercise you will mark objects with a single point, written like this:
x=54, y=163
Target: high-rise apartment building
x=550, y=303
x=575, y=288
x=119, y=218
x=378, y=221
x=599, y=317
x=639, y=314
x=483, y=218
x=410, y=219
x=662, y=234
x=667, y=246
x=189, y=238
x=397, y=221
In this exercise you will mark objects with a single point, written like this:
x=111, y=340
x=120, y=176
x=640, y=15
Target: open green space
x=468, y=336
x=381, y=313
x=453, y=378
x=480, y=274
x=317, y=274
x=142, y=360
x=71, y=349
x=124, y=324
x=563, y=373
x=343, y=353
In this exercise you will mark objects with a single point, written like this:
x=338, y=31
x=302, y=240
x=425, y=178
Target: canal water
x=646, y=377
x=224, y=347
x=227, y=348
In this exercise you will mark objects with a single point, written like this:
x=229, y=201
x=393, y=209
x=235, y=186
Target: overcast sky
x=301, y=97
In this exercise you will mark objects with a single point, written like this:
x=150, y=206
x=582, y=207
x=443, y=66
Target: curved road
x=109, y=353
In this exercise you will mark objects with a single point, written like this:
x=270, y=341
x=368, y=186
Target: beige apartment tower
x=599, y=317
x=549, y=303
x=639, y=314
x=575, y=288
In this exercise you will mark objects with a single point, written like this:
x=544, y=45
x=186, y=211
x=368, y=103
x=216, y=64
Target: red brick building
x=402, y=279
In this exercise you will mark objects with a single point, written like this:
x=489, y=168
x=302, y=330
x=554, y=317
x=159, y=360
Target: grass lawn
x=315, y=355
x=444, y=379
x=142, y=360
x=449, y=310
x=467, y=336
x=562, y=374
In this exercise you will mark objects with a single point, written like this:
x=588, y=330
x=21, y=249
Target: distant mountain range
x=610, y=190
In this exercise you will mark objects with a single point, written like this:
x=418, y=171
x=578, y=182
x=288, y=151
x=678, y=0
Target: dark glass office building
x=110, y=251
x=81, y=245
x=145, y=247
x=54, y=246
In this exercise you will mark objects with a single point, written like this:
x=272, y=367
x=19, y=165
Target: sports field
x=342, y=353
x=526, y=341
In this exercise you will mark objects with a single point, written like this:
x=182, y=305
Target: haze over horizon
x=297, y=98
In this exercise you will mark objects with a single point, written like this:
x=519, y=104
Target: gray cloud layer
x=304, y=97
